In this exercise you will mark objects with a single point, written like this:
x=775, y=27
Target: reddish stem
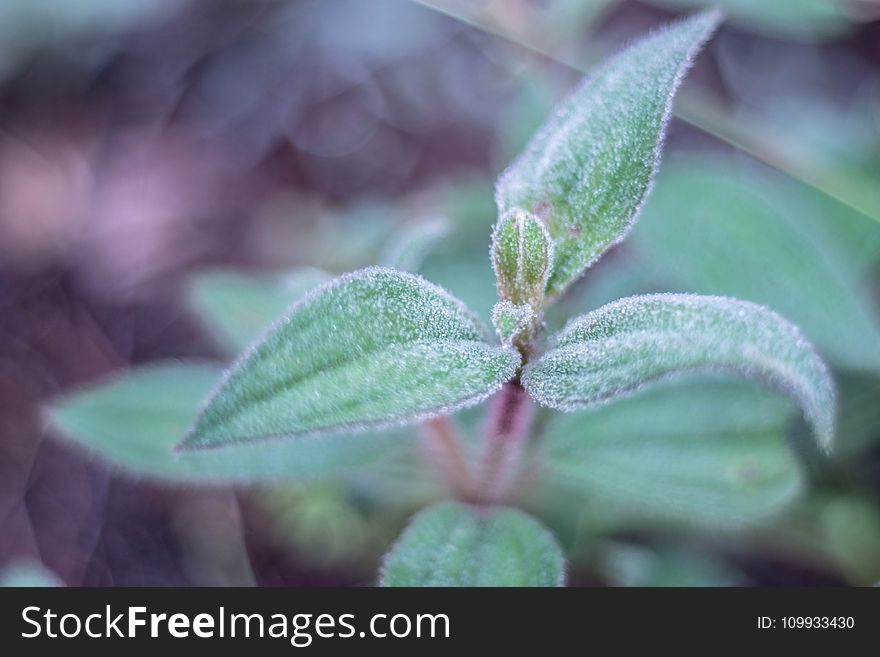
x=510, y=416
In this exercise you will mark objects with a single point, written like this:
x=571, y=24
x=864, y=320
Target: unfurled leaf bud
x=521, y=256
x=512, y=321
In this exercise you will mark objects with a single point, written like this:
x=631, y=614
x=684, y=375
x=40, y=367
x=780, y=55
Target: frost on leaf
x=452, y=544
x=588, y=170
x=521, y=255
x=511, y=321
x=372, y=348
x=625, y=345
x=726, y=226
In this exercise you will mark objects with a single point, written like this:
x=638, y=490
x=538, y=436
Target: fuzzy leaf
x=719, y=225
x=632, y=342
x=373, y=348
x=236, y=307
x=521, y=256
x=413, y=242
x=710, y=453
x=452, y=544
x=588, y=170
x=134, y=421
x=511, y=321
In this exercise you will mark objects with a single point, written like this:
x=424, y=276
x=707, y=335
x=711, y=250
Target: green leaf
x=625, y=345
x=24, y=573
x=413, y=242
x=588, y=170
x=512, y=321
x=705, y=453
x=851, y=533
x=858, y=424
x=373, y=348
x=236, y=307
x=720, y=226
x=521, y=255
x=465, y=274
x=458, y=263
x=452, y=544
x=666, y=566
x=793, y=19
x=135, y=420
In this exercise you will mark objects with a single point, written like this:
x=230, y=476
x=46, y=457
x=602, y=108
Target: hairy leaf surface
x=588, y=170
x=372, y=348
x=722, y=226
x=627, y=344
x=452, y=544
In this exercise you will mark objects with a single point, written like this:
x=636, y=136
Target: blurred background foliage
x=174, y=173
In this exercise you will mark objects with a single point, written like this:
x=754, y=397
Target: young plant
x=381, y=348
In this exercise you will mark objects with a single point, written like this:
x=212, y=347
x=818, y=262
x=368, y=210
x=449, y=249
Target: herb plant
x=380, y=349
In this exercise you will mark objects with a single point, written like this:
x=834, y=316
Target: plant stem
x=446, y=451
x=510, y=415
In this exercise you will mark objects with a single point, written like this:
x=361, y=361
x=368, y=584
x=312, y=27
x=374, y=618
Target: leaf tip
x=191, y=441
x=183, y=446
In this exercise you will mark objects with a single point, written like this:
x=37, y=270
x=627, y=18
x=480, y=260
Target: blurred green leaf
x=350, y=237
x=851, y=529
x=452, y=544
x=236, y=307
x=635, y=565
x=794, y=19
x=715, y=226
x=323, y=524
x=375, y=347
x=858, y=427
x=467, y=275
x=828, y=532
x=459, y=262
x=350, y=521
x=467, y=201
x=531, y=104
x=412, y=242
x=710, y=454
x=619, y=275
x=587, y=172
x=844, y=141
x=25, y=573
x=637, y=341
x=135, y=420
x=566, y=20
